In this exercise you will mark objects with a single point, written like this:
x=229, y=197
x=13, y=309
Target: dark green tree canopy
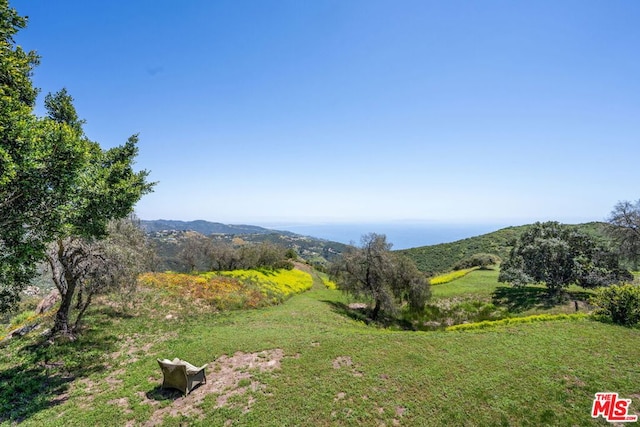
x=54, y=181
x=558, y=256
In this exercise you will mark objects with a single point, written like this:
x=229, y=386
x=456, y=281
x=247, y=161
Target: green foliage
x=623, y=227
x=232, y=290
x=278, y=284
x=443, y=257
x=388, y=279
x=558, y=256
x=21, y=318
x=360, y=375
x=326, y=281
x=619, y=304
x=55, y=182
x=486, y=324
x=444, y=312
x=451, y=276
x=480, y=260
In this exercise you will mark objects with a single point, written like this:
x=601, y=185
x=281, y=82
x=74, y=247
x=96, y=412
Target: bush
x=618, y=303
x=451, y=276
x=486, y=324
x=482, y=260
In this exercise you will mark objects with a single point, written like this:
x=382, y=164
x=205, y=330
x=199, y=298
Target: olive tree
x=623, y=226
x=558, y=256
x=83, y=267
x=389, y=279
x=196, y=251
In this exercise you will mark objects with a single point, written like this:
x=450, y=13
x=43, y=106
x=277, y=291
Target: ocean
x=400, y=235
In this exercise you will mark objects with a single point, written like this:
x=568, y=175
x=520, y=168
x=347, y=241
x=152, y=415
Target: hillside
x=442, y=257
x=169, y=241
x=311, y=362
x=205, y=227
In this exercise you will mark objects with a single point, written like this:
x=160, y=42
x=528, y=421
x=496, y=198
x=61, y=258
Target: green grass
x=478, y=283
x=335, y=370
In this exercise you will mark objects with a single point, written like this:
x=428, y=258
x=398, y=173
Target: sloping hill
x=205, y=227
x=442, y=257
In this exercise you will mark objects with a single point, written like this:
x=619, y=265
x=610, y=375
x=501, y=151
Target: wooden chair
x=181, y=375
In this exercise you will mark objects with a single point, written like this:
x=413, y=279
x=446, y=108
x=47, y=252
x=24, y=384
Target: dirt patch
x=346, y=362
x=227, y=377
x=341, y=362
x=123, y=403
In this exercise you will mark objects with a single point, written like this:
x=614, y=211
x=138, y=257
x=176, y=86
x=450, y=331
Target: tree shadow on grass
x=42, y=372
x=114, y=313
x=363, y=314
x=161, y=394
x=522, y=298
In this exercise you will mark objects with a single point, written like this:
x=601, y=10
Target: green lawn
x=332, y=370
x=478, y=283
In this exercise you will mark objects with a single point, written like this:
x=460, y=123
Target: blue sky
x=270, y=112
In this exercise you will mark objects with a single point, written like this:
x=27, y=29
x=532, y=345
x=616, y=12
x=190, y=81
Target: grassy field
x=308, y=362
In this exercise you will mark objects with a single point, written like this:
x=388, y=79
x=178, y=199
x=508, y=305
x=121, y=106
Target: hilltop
x=442, y=257
x=205, y=227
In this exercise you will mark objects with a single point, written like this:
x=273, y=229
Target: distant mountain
x=205, y=227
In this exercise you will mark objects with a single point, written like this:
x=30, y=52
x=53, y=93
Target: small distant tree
x=389, y=279
x=197, y=251
x=624, y=228
x=225, y=257
x=558, y=256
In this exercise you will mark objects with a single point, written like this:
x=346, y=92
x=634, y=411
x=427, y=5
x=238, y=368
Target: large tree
x=387, y=278
x=40, y=159
x=624, y=228
x=558, y=256
x=106, y=190
x=56, y=185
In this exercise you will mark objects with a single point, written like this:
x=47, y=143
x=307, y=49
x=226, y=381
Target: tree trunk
x=81, y=310
x=66, y=284
x=61, y=324
x=376, y=310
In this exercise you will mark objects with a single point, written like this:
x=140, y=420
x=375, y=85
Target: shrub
x=279, y=284
x=481, y=260
x=515, y=320
x=618, y=303
x=21, y=318
x=450, y=277
x=330, y=284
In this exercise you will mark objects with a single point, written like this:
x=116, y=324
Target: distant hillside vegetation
x=205, y=227
x=442, y=257
x=169, y=238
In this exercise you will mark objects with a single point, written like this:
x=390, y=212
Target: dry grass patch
x=227, y=378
